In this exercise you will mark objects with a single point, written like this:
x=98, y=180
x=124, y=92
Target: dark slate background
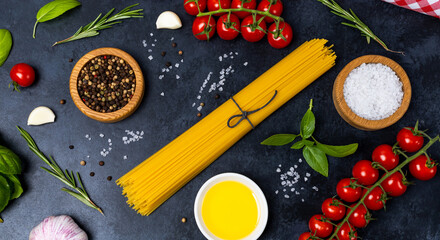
x=412, y=216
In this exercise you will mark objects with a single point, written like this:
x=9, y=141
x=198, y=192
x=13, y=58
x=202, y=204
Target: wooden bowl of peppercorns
x=107, y=85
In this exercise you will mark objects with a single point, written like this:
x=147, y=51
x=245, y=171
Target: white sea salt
x=101, y=135
x=245, y=64
x=373, y=91
x=132, y=136
x=150, y=57
x=177, y=76
x=125, y=157
x=162, y=94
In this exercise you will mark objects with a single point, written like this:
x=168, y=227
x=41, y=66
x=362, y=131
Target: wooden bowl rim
x=125, y=111
x=361, y=123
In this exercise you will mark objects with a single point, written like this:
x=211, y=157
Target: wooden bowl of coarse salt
x=372, y=92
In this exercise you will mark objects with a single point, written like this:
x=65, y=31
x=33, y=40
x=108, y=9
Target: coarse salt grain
x=373, y=91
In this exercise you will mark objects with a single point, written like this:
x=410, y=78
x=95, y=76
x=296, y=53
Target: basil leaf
x=298, y=145
x=54, y=9
x=5, y=45
x=308, y=122
x=279, y=139
x=338, y=151
x=5, y=193
x=316, y=159
x=9, y=162
x=15, y=186
x=308, y=142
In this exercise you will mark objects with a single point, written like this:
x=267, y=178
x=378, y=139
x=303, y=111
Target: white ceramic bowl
x=262, y=204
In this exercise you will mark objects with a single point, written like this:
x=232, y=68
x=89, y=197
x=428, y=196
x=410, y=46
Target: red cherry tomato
x=385, y=156
x=191, y=7
x=333, y=209
x=275, y=7
x=347, y=232
x=213, y=5
x=375, y=200
x=347, y=192
x=204, y=27
x=408, y=141
x=249, y=4
x=423, y=169
x=394, y=185
x=280, y=38
x=365, y=173
x=228, y=29
x=320, y=228
x=305, y=236
x=252, y=31
x=22, y=75
x=360, y=217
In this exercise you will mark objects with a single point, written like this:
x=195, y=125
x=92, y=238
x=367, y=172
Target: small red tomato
x=251, y=30
x=385, y=156
x=333, y=209
x=204, y=27
x=227, y=26
x=360, y=217
x=408, y=141
x=192, y=8
x=275, y=7
x=214, y=5
x=319, y=227
x=248, y=4
x=365, y=173
x=281, y=37
x=347, y=232
x=347, y=192
x=375, y=200
x=422, y=168
x=305, y=236
x=394, y=185
x=22, y=75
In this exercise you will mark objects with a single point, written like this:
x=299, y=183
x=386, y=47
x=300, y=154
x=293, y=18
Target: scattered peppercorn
x=83, y=163
x=199, y=114
x=101, y=163
x=217, y=96
x=168, y=64
x=184, y=220
x=202, y=104
x=92, y=174
x=109, y=178
x=71, y=147
x=180, y=53
x=70, y=60
x=62, y=101
x=163, y=53
x=174, y=44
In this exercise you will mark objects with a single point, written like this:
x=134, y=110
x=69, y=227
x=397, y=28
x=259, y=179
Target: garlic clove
x=168, y=20
x=58, y=227
x=41, y=115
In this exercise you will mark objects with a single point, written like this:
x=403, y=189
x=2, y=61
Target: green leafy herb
x=5, y=194
x=66, y=177
x=356, y=22
x=92, y=29
x=9, y=162
x=53, y=10
x=15, y=185
x=5, y=45
x=314, y=152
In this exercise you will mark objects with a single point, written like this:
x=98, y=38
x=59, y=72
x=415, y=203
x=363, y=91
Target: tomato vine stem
x=385, y=176
x=241, y=9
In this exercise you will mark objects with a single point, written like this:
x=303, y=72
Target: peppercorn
x=184, y=220
x=180, y=53
x=109, y=178
x=71, y=147
x=217, y=96
x=174, y=44
x=92, y=174
x=163, y=53
x=62, y=101
x=83, y=163
x=101, y=163
x=202, y=104
x=70, y=60
x=168, y=64
x=199, y=114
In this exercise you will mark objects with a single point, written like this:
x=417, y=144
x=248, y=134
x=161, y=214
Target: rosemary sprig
x=64, y=176
x=92, y=29
x=356, y=22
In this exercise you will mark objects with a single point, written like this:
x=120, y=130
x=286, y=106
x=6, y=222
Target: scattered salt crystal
x=276, y=192
x=220, y=89
x=176, y=65
x=125, y=157
x=177, y=77
x=199, y=108
x=101, y=135
x=295, y=166
x=297, y=193
x=172, y=39
x=315, y=188
x=155, y=40
x=305, y=179
x=225, y=55
x=144, y=43
x=181, y=60
x=109, y=140
x=286, y=196
x=194, y=104
x=284, y=190
x=302, y=188
x=164, y=69
x=124, y=138
x=149, y=50
x=150, y=57
x=302, y=200
x=87, y=136
x=307, y=174
x=279, y=165
x=245, y=64
x=198, y=97
x=151, y=34
x=236, y=53
x=220, y=58
x=153, y=45
x=161, y=77
x=162, y=94
x=300, y=160
x=278, y=170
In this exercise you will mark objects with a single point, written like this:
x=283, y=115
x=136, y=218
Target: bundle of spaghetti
x=156, y=179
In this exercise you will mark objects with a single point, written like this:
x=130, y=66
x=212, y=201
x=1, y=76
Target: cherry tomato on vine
x=376, y=199
x=422, y=168
x=249, y=4
x=275, y=7
x=394, y=185
x=365, y=173
x=227, y=26
x=333, y=209
x=408, y=141
x=384, y=155
x=360, y=217
x=305, y=236
x=204, y=27
x=22, y=75
x=251, y=30
x=191, y=6
x=347, y=232
x=281, y=37
x=320, y=228
x=347, y=192
x=213, y=5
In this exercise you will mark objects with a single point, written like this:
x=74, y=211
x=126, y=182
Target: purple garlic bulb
x=58, y=228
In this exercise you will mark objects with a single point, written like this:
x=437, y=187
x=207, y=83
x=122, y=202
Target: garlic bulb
x=58, y=228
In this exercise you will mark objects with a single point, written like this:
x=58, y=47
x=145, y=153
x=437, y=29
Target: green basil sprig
x=53, y=10
x=5, y=45
x=9, y=162
x=314, y=152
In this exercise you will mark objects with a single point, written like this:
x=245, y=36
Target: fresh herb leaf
x=308, y=122
x=338, y=151
x=15, y=186
x=53, y=10
x=5, y=45
x=5, y=193
x=279, y=139
x=298, y=145
x=308, y=142
x=316, y=159
x=9, y=162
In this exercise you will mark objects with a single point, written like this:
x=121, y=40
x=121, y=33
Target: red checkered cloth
x=429, y=7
